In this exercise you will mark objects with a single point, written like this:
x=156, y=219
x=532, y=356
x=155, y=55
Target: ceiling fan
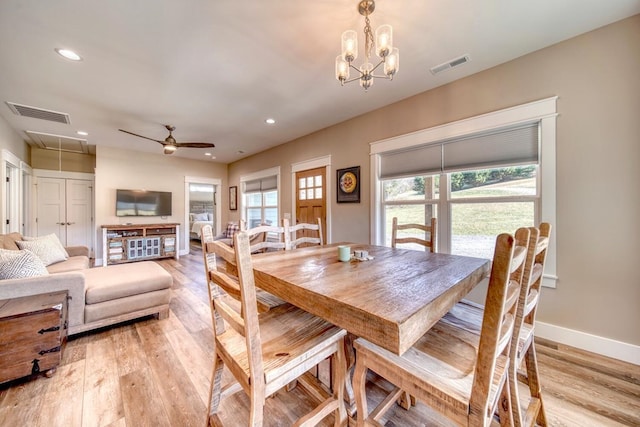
x=170, y=144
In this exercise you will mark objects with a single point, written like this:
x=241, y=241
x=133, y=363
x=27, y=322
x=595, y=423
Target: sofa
x=99, y=296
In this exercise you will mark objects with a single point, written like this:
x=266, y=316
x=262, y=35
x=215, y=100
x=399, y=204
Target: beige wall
x=70, y=162
x=134, y=170
x=596, y=79
x=12, y=142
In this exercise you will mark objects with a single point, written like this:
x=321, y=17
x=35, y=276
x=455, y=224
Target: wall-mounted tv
x=143, y=203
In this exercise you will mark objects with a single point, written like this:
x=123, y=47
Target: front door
x=311, y=197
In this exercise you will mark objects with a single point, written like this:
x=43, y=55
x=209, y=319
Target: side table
x=33, y=332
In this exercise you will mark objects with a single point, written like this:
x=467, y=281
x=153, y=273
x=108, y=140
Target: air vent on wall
x=450, y=64
x=39, y=113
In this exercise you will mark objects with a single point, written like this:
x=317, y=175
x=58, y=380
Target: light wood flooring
x=156, y=373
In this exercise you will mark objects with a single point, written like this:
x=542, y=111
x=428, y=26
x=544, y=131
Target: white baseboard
x=593, y=343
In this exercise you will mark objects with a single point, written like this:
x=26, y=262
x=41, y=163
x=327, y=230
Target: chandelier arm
x=355, y=68
x=379, y=64
x=353, y=79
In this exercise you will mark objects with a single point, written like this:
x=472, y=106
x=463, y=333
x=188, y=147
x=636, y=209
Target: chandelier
x=389, y=56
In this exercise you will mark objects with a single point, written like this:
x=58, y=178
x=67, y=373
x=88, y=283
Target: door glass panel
x=319, y=181
x=302, y=183
x=318, y=193
x=303, y=194
x=310, y=181
x=310, y=193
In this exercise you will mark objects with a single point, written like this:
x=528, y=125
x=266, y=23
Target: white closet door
x=51, y=215
x=65, y=208
x=79, y=194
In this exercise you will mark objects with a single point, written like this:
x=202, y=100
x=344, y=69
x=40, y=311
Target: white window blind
x=507, y=146
x=269, y=183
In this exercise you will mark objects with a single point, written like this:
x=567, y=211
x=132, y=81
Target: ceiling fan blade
x=145, y=137
x=195, y=144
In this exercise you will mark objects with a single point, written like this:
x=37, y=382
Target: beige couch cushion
x=73, y=263
x=118, y=307
x=124, y=280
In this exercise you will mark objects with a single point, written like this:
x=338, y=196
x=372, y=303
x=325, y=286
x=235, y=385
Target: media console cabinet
x=139, y=242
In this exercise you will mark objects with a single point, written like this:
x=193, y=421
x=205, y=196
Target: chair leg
x=215, y=391
x=535, y=389
x=256, y=411
x=504, y=404
x=514, y=394
x=339, y=365
x=406, y=400
x=359, y=383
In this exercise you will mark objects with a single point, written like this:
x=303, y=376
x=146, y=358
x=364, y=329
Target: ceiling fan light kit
x=389, y=55
x=169, y=144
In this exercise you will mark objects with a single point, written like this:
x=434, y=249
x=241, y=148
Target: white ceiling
x=217, y=69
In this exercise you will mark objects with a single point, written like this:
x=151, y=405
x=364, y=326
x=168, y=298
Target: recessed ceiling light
x=270, y=121
x=69, y=54
x=83, y=133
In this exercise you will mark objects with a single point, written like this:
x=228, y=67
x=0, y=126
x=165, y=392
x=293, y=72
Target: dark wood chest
x=33, y=332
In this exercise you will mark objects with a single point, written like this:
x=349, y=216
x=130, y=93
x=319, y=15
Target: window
x=480, y=204
x=260, y=198
x=479, y=177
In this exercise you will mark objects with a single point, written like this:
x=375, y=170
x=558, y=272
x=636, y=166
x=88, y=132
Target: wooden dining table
x=391, y=300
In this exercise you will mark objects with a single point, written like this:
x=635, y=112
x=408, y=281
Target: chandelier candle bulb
x=342, y=69
x=384, y=40
x=349, y=45
x=392, y=63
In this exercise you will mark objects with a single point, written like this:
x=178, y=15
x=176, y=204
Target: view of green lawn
x=474, y=225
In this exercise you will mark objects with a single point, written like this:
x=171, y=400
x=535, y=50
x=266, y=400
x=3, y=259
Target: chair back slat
x=305, y=234
x=249, y=309
x=268, y=242
x=499, y=314
x=426, y=230
x=532, y=295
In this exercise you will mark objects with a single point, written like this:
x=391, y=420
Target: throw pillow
x=201, y=217
x=232, y=228
x=48, y=248
x=52, y=237
x=19, y=264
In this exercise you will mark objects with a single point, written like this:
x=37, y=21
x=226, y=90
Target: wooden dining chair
x=429, y=242
x=454, y=371
x=265, y=300
x=467, y=314
x=305, y=234
x=268, y=351
x=275, y=238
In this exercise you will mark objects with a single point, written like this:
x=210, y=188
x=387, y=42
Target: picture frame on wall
x=233, y=198
x=348, y=185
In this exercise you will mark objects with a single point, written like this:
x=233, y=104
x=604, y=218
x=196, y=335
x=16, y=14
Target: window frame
x=255, y=176
x=542, y=111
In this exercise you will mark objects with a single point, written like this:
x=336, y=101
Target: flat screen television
x=143, y=203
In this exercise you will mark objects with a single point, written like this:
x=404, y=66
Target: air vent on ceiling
x=39, y=113
x=48, y=141
x=450, y=64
